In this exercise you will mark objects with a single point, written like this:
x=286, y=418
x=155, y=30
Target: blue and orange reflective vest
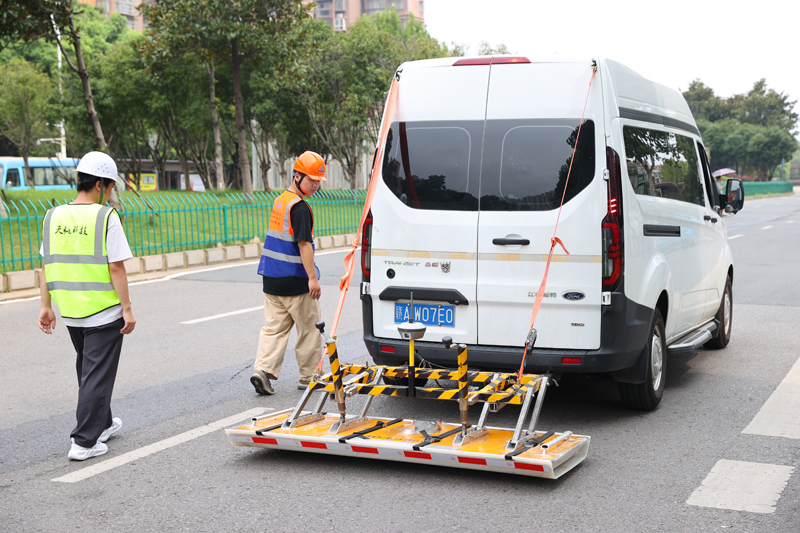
x=280, y=257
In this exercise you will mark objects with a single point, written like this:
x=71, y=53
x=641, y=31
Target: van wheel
x=646, y=396
x=725, y=318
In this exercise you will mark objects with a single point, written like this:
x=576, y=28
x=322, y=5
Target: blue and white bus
x=46, y=173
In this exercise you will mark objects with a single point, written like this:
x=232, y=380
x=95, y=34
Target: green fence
x=178, y=223
x=766, y=187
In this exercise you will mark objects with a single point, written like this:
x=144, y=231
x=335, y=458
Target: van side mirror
x=733, y=199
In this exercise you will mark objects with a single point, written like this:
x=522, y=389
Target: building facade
x=127, y=8
x=341, y=14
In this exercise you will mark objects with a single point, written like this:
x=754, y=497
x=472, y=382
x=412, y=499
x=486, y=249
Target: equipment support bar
x=463, y=406
x=336, y=371
x=376, y=427
x=531, y=444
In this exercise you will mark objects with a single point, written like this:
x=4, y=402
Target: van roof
x=636, y=97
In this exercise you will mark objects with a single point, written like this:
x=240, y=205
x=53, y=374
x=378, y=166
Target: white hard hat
x=100, y=165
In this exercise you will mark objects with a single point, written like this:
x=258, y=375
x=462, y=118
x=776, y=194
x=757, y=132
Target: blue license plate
x=430, y=315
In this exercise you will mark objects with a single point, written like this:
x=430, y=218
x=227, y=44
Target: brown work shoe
x=303, y=384
x=260, y=381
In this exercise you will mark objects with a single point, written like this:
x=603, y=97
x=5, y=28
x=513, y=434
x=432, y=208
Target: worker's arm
x=47, y=318
x=307, y=255
x=119, y=278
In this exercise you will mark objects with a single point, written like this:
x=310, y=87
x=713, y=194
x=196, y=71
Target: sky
x=728, y=45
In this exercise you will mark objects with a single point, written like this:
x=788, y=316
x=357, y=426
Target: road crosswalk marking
x=780, y=414
x=742, y=486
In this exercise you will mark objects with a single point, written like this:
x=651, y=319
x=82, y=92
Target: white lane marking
x=790, y=221
x=780, y=414
x=742, y=486
x=223, y=315
x=114, y=462
x=179, y=274
x=734, y=237
x=767, y=227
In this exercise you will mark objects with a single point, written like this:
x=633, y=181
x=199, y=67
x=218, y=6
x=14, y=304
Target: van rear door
x=533, y=112
x=425, y=211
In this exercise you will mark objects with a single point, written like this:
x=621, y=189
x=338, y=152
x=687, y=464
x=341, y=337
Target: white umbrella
x=722, y=172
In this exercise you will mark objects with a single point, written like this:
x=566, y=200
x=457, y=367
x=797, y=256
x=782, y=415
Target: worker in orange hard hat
x=290, y=279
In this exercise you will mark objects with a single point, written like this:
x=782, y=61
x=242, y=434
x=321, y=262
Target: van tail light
x=366, y=245
x=613, y=245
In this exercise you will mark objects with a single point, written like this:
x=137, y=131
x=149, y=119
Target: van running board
x=694, y=340
x=523, y=449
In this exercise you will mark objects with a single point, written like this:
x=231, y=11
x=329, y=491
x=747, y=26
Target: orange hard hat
x=312, y=165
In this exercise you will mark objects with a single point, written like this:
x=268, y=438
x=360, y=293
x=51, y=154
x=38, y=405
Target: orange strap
x=537, y=303
x=349, y=261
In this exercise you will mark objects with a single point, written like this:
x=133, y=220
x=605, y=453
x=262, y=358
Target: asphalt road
x=176, y=378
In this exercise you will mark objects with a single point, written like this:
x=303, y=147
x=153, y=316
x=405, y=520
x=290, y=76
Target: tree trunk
x=266, y=161
x=218, y=170
x=28, y=173
x=185, y=168
x=100, y=140
x=238, y=102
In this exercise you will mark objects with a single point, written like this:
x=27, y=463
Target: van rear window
x=434, y=165
x=525, y=163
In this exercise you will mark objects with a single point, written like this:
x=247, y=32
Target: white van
x=474, y=170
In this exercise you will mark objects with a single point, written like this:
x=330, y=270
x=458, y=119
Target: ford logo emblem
x=573, y=295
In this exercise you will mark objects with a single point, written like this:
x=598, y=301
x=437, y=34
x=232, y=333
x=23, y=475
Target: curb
x=25, y=283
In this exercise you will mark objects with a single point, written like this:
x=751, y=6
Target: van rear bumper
x=624, y=331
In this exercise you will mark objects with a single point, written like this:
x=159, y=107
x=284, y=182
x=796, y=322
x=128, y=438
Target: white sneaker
x=116, y=425
x=79, y=453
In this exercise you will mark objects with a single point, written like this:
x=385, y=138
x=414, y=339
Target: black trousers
x=98, y=358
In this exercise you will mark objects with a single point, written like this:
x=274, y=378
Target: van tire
x=725, y=318
x=646, y=396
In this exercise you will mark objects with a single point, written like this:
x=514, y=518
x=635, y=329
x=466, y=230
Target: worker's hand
x=130, y=322
x=314, y=290
x=47, y=320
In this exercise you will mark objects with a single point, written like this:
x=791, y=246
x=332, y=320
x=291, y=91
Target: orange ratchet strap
x=555, y=240
x=349, y=261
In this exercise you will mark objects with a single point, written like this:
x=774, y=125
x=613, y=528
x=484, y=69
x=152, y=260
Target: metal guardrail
x=178, y=223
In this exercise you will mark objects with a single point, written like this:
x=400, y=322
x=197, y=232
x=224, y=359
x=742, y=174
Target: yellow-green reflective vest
x=76, y=259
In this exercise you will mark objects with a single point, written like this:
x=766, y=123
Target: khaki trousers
x=280, y=314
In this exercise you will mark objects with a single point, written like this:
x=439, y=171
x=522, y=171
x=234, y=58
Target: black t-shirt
x=302, y=224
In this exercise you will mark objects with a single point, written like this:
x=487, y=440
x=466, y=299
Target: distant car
x=474, y=171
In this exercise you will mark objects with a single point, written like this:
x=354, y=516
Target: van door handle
x=507, y=242
x=709, y=217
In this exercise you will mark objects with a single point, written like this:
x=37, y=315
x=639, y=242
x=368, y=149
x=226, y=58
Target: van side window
x=434, y=165
x=663, y=165
x=12, y=178
x=525, y=163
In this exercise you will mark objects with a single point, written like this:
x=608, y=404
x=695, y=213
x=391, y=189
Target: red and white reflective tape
x=434, y=456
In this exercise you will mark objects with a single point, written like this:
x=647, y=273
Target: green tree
x=234, y=32
x=485, y=49
x=766, y=107
x=705, y=105
x=24, y=102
